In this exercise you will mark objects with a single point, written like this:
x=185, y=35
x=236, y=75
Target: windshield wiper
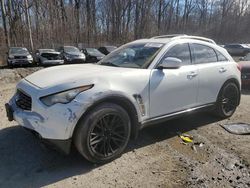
x=109, y=64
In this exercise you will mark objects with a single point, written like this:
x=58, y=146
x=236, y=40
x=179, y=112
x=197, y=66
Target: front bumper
x=52, y=62
x=20, y=61
x=61, y=145
x=56, y=122
x=75, y=60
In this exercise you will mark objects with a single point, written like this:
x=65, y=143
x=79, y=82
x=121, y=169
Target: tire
x=10, y=65
x=103, y=134
x=228, y=100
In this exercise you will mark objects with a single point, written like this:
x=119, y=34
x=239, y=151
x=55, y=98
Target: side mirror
x=170, y=63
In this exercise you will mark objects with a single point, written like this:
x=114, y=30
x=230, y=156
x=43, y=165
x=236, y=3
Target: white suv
x=98, y=107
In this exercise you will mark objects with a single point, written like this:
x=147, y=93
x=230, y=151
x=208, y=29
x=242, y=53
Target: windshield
x=93, y=51
x=18, y=51
x=245, y=45
x=46, y=50
x=133, y=55
x=69, y=49
x=110, y=48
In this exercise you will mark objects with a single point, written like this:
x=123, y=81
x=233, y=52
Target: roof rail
x=196, y=38
x=183, y=36
x=168, y=36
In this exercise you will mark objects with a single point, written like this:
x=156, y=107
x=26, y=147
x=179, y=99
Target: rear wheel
x=104, y=133
x=228, y=100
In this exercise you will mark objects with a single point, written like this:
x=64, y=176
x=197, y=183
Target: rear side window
x=203, y=54
x=180, y=51
x=220, y=56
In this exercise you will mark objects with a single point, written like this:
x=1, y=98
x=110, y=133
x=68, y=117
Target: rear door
x=174, y=90
x=212, y=70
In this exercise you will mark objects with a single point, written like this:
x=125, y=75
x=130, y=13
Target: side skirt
x=174, y=115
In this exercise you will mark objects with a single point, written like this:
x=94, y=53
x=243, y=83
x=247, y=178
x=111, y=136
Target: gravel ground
x=156, y=159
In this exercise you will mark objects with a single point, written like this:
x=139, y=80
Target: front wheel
x=103, y=134
x=10, y=65
x=228, y=100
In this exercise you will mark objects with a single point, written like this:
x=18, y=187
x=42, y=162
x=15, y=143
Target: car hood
x=74, y=53
x=69, y=76
x=51, y=53
x=20, y=54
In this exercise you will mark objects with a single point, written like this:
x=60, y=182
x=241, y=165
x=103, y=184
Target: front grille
x=51, y=56
x=20, y=57
x=23, y=101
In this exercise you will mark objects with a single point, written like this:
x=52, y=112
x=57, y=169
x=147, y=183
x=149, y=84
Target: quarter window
x=180, y=51
x=203, y=54
x=220, y=56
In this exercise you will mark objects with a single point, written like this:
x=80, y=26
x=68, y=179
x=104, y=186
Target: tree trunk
x=29, y=25
x=6, y=34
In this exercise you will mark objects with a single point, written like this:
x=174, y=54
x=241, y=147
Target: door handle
x=192, y=75
x=222, y=69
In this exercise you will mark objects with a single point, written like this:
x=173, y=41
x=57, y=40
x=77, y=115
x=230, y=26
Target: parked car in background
x=92, y=55
x=237, y=49
x=99, y=107
x=107, y=49
x=71, y=54
x=48, y=57
x=19, y=56
x=245, y=71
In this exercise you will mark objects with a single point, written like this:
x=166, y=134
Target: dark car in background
x=92, y=55
x=107, y=49
x=71, y=54
x=19, y=56
x=46, y=57
x=245, y=71
x=237, y=49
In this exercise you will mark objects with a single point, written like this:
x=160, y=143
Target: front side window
x=180, y=51
x=203, y=54
x=138, y=55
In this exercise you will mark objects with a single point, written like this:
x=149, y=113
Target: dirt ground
x=156, y=159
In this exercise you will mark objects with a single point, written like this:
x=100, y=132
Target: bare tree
x=29, y=25
x=51, y=23
x=6, y=34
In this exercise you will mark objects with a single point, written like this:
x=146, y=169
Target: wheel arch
x=121, y=101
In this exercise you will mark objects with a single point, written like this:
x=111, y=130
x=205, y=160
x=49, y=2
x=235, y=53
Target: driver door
x=174, y=90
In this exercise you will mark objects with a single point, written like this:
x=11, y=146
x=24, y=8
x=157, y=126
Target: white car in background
x=98, y=107
x=45, y=57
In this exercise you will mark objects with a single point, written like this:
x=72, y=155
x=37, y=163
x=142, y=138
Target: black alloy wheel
x=228, y=100
x=103, y=133
x=108, y=135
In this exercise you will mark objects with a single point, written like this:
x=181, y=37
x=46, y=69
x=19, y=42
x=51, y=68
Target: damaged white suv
x=98, y=107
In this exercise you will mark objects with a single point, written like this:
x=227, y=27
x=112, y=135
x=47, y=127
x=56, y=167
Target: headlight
x=65, y=96
x=29, y=56
x=68, y=56
x=11, y=56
